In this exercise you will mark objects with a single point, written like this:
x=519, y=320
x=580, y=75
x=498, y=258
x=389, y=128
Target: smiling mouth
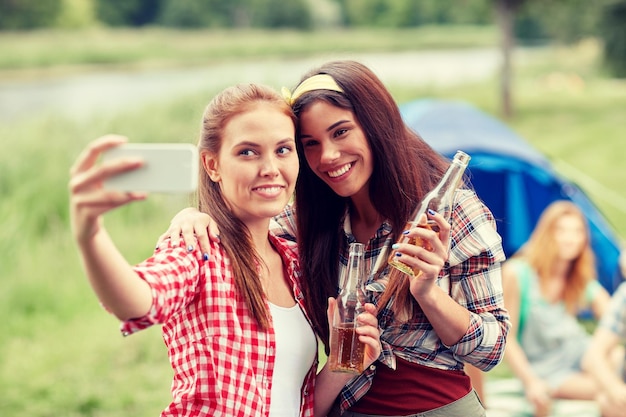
x=339, y=172
x=269, y=190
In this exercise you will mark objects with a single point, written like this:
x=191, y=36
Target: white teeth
x=340, y=171
x=269, y=189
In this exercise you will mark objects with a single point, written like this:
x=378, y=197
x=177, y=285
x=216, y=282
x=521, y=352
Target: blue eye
x=283, y=150
x=247, y=152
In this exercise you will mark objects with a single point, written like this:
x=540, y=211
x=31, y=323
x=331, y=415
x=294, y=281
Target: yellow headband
x=316, y=82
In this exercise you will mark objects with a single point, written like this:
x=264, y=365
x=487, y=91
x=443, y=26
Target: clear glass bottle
x=346, y=351
x=439, y=199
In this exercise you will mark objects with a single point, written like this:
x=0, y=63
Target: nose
x=269, y=167
x=329, y=154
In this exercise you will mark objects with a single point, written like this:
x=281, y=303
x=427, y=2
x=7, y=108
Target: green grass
x=25, y=53
x=63, y=356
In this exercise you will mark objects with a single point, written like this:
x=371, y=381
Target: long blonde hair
x=234, y=234
x=541, y=251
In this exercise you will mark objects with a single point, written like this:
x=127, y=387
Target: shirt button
x=372, y=367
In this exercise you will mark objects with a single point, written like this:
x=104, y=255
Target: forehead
x=259, y=117
x=320, y=113
x=569, y=221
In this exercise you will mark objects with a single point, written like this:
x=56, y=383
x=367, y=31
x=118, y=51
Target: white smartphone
x=167, y=168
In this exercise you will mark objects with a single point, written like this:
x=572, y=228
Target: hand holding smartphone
x=167, y=168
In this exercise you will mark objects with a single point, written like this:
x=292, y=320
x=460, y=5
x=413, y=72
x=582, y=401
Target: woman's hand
x=328, y=384
x=369, y=333
x=89, y=200
x=429, y=254
x=368, y=330
x=191, y=224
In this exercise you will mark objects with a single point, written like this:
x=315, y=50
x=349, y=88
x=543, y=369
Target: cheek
x=312, y=158
x=294, y=169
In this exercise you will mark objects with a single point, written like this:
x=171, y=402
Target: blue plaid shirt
x=472, y=277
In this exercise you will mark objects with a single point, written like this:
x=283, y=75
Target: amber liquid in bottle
x=346, y=351
x=417, y=241
x=440, y=199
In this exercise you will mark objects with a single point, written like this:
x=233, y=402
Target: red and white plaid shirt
x=223, y=362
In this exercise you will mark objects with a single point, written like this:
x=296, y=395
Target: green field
x=61, y=354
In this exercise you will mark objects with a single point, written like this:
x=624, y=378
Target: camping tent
x=509, y=175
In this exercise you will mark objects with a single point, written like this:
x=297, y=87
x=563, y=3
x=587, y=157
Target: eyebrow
x=329, y=128
x=256, y=144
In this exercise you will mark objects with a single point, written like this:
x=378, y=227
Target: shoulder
x=284, y=246
x=614, y=318
x=468, y=205
x=619, y=295
x=284, y=223
x=516, y=273
x=515, y=266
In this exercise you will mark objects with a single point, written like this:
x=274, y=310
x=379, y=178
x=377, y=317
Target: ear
x=211, y=165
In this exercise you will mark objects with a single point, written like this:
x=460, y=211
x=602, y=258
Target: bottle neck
x=441, y=197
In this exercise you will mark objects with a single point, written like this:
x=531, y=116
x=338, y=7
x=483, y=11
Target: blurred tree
x=128, y=12
x=28, y=14
x=364, y=12
x=325, y=13
x=505, y=10
x=76, y=14
x=237, y=13
x=280, y=14
x=613, y=32
x=408, y=13
x=193, y=14
x=565, y=21
x=472, y=12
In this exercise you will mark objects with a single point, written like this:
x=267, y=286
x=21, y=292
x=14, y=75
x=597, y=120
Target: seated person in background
x=546, y=284
x=605, y=357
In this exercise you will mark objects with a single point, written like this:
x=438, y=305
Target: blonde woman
x=546, y=284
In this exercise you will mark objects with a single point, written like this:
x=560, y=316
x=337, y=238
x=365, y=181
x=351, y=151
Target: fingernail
x=205, y=256
x=398, y=254
x=406, y=232
x=395, y=246
x=189, y=248
x=431, y=212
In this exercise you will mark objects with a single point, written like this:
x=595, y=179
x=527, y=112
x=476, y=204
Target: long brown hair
x=234, y=235
x=405, y=169
x=541, y=251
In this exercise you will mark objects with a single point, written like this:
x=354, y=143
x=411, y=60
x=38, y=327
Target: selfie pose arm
x=115, y=283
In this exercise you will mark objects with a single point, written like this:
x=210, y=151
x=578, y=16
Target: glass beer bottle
x=439, y=199
x=346, y=351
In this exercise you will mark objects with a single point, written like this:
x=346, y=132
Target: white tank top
x=295, y=353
